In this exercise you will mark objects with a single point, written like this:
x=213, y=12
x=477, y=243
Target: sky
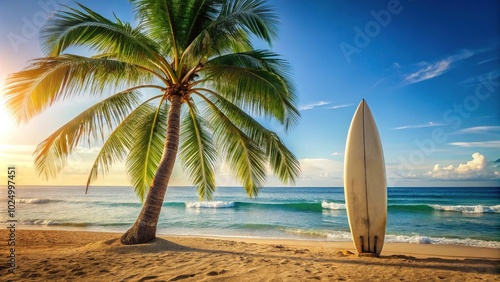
x=429, y=71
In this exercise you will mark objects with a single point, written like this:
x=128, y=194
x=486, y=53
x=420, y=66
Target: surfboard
x=365, y=186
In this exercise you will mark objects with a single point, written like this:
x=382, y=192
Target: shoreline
x=86, y=256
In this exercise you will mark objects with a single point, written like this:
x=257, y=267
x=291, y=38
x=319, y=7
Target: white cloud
x=483, y=144
x=380, y=81
x=313, y=105
x=488, y=60
x=16, y=154
x=430, y=70
x=321, y=172
x=429, y=124
x=340, y=106
x=491, y=76
x=320, y=168
x=478, y=167
x=479, y=130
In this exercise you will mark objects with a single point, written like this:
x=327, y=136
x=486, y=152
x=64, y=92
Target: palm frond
x=154, y=17
x=162, y=22
x=87, y=28
x=230, y=30
x=245, y=157
x=197, y=153
x=147, y=147
x=197, y=15
x=282, y=161
x=51, y=79
x=252, y=15
x=212, y=41
x=119, y=142
x=257, y=81
x=51, y=154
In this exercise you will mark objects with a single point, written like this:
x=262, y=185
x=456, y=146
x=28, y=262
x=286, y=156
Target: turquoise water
x=465, y=216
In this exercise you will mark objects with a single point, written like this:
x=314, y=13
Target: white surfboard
x=365, y=186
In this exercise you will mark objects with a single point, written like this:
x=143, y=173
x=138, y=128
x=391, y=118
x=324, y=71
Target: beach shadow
x=158, y=245
x=468, y=265
x=280, y=252
x=480, y=266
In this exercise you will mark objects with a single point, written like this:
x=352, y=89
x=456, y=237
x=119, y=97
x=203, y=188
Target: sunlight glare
x=6, y=121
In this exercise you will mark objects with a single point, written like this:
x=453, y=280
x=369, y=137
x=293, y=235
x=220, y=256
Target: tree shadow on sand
x=300, y=254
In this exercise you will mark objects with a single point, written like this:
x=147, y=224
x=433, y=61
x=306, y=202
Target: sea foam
x=39, y=222
x=332, y=206
x=468, y=209
x=34, y=201
x=209, y=204
x=420, y=239
x=342, y=236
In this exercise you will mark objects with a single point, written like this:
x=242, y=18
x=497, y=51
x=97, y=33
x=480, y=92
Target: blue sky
x=428, y=71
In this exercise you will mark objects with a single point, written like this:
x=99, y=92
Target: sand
x=47, y=255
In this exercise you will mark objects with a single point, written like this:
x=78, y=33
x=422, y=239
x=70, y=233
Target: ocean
x=458, y=216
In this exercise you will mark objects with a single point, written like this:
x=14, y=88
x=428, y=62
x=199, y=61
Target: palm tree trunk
x=144, y=229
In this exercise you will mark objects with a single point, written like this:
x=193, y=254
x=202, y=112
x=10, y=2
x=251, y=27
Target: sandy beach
x=47, y=255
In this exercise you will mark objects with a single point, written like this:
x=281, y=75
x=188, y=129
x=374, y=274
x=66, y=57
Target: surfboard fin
x=368, y=253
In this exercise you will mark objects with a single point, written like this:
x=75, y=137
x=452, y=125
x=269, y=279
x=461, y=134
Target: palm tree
x=212, y=88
